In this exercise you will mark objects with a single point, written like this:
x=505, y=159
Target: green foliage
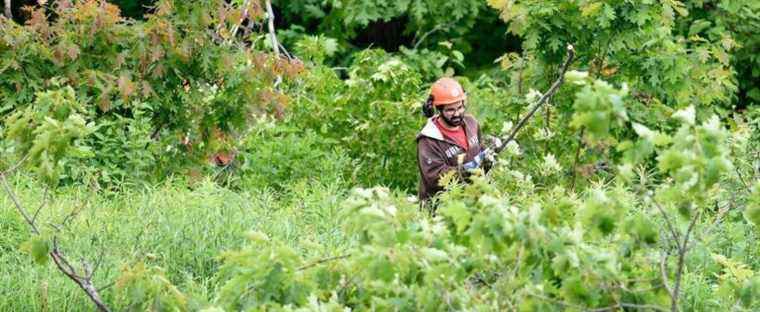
x=661, y=49
x=147, y=86
x=49, y=131
x=278, y=156
x=563, y=221
x=343, y=19
x=753, y=206
x=39, y=248
x=372, y=116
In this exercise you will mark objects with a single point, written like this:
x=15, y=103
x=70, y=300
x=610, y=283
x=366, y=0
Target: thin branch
x=671, y=228
x=741, y=178
x=549, y=93
x=430, y=32
x=42, y=204
x=235, y=27
x=577, y=157
x=18, y=205
x=681, y=257
x=663, y=272
x=320, y=261
x=16, y=166
x=106, y=286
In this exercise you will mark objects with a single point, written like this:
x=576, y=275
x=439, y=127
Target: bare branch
x=16, y=166
x=42, y=204
x=676, y=236
x=664, y=273
x=549, y=93
x=234, y=30
x=683, y=248
x=18, y=205
x=577, y=157
x=320, y=261
x=430, y=32
x=741, y=178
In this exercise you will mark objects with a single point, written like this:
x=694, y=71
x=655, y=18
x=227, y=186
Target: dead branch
x=549, y=93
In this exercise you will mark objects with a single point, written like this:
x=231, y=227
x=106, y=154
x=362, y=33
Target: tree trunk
x=8, y=13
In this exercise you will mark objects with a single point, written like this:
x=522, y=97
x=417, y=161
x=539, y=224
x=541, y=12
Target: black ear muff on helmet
x=427, y=107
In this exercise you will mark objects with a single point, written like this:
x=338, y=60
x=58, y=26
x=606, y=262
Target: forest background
x=175, y=155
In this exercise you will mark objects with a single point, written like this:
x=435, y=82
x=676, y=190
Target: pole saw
x=549, y=93
x=499, y=147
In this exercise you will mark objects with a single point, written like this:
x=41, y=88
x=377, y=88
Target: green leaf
x=39, y=248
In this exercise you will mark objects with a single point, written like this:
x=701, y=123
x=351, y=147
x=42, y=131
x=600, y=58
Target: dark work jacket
x=437, y=155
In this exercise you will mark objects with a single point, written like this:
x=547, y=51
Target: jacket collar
x=431, y=130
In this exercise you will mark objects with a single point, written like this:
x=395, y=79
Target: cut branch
x=549, y=93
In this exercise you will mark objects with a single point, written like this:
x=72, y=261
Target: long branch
x=18, y=205
x=683, y=248
x=549, y=93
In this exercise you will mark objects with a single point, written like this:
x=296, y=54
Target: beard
x=455, y=121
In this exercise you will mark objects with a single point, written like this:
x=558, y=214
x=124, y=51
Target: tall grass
x=179, y=227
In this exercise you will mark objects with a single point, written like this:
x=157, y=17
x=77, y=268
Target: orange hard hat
x=446, y=91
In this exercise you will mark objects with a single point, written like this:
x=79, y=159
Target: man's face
x=453, y=114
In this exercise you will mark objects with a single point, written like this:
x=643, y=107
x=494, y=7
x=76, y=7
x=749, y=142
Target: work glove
x=478, y=160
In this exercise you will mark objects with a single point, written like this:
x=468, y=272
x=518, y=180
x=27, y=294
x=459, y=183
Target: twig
x=549, y=93
x=42, y=204
x=17, y=204
x=577, y=157
x=16, y=166
x=320, y=261
x=663, y=272
x=671, y=228
x=235, y=27
x=430, y=32
x=741, y=178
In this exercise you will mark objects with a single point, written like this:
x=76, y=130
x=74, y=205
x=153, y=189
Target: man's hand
x=493, y=142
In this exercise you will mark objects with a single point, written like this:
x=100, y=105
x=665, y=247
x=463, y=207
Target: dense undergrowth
x=636, y=188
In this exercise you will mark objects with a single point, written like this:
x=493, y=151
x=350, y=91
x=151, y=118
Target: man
x=450, y=140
